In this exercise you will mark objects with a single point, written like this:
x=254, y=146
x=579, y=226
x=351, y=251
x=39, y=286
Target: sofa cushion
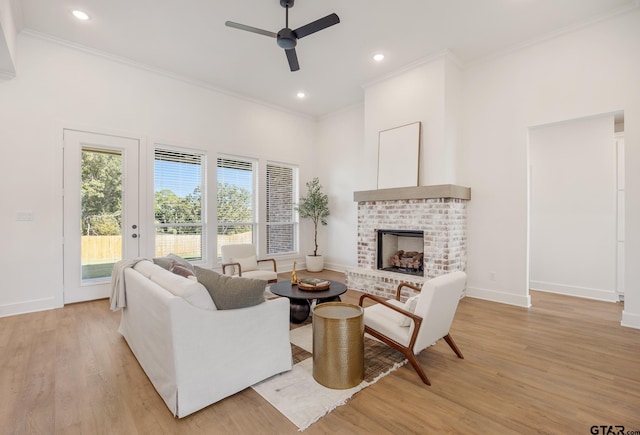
x=230, y=293
x=191, y=291
x=145, y=267
x=167, y=262
x=178, y=269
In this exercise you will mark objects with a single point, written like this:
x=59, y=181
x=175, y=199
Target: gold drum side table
x=338, y=345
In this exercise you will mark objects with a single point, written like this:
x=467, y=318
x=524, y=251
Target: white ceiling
x=189, y=38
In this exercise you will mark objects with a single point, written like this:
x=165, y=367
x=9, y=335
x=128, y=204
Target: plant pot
x=315, y=263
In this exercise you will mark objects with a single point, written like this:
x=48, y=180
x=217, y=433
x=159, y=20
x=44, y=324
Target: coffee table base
x=299, y=309
x=300, y=300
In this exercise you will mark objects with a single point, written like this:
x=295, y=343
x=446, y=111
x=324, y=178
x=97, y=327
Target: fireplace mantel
x=418, y=192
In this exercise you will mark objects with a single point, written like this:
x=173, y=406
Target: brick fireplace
x=440, y=212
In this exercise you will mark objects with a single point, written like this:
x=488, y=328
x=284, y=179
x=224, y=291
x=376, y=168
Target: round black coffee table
x=300, y=300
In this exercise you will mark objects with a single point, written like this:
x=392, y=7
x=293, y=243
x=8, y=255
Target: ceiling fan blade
x=250, y=29
x=317, y=25
x=292, y=57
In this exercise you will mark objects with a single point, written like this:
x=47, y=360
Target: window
x=101, y=209
x=236, y=201
x=179, y=203
x=281, y=224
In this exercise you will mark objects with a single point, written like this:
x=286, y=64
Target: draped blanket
x=118, y=297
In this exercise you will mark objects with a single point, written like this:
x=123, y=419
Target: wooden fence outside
x=108, y=249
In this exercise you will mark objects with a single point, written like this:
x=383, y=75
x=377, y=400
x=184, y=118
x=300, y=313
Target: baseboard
x=28, y=307
x=335, y=267
x=630, y=320
x=498, y=296
x=569, y=290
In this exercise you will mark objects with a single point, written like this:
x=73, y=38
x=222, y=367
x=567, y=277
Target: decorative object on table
x=399, y=156
x=308, y=401
x=294, y=275
x=314, y=206
x=313, y=284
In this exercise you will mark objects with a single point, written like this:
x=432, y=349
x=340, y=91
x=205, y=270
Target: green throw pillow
x=229, y=293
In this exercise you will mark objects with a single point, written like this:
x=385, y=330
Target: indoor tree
x=314, y=206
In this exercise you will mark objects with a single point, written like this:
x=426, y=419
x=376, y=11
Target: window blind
x=179, y=196
x=236, y=198
x=281, y=225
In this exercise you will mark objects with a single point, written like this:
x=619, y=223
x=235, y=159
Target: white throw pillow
x=191, y=291
x=393, y=315
x=247, y=264
x=409, y=305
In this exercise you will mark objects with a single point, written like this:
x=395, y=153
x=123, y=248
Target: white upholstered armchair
x=416, y=324
x=241, y=260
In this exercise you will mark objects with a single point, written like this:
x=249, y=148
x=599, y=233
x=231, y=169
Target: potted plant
x=314, y=206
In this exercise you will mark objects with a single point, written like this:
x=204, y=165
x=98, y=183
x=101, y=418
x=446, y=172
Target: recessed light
x=301, y=95
x=81, y=15
x=378, y=57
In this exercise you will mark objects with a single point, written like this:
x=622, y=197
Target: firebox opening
x=401, y=251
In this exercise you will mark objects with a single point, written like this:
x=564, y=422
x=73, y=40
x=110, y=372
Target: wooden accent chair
x=241, y=260
x=412, y=330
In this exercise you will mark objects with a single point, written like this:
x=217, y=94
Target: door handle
x=134, y=235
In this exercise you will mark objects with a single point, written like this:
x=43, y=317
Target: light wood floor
x=562, y=366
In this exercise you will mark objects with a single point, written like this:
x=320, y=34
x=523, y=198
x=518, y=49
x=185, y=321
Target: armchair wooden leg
x=416, y=365
x=452, y=344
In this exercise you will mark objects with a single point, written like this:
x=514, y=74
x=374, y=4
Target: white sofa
x=194, y=354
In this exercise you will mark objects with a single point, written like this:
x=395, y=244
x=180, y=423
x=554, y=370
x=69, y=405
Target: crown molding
x=158, y=71
x=447, y=54
x=7, y=75
x=443, y=54
x=631, y=6
x=18, y=15
x=338, y=112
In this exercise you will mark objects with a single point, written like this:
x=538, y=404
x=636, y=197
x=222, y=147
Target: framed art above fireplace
x=399, y=156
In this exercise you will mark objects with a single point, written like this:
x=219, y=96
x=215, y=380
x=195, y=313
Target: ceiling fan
x=287, y=38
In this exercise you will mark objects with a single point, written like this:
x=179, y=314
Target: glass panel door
x=100, y=211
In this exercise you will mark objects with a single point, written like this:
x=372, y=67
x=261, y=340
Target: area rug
x=304, y=401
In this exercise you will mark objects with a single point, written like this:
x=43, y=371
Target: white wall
x=61, y=87
x=342, y=166
x=425, y=93
x=8, y=32
x=591, y=71
x=573, y=208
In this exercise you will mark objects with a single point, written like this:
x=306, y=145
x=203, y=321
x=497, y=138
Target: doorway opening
x=576, y=207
